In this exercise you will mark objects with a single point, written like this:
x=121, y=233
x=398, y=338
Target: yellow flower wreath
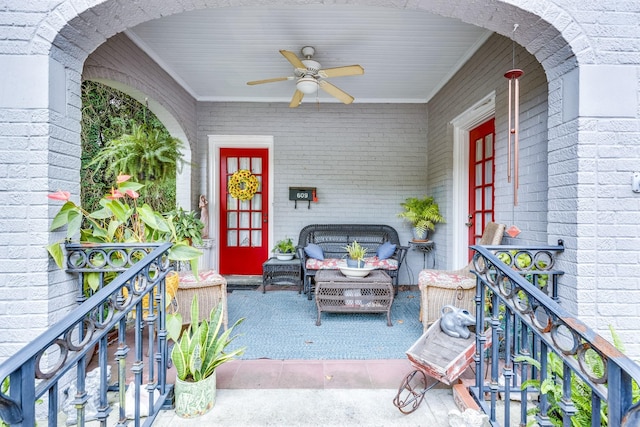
x=243, y=184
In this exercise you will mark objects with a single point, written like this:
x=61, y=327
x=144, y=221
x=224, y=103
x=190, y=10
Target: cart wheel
x=411, y=392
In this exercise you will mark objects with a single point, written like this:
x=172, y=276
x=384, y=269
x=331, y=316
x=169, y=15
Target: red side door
x=481, y=179
x=243, y=223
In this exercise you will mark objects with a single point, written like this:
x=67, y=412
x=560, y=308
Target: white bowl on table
x=356, y=272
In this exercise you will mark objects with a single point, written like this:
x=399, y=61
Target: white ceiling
x=407, y=55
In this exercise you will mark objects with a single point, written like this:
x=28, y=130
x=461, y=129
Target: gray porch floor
x=314, y=393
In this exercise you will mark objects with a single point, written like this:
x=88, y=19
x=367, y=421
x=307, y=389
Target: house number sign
x=303, y=194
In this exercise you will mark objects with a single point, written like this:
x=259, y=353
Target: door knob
x=468, y=224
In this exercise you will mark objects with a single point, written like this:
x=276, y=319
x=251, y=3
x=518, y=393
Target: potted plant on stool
x=423, y=214
x=196, y=354
x=284, y=249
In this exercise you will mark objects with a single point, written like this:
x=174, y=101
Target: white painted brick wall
x=364, y=160
x=481, y=75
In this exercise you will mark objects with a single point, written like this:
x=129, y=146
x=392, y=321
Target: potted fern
x=196, y=354
x=423, y=214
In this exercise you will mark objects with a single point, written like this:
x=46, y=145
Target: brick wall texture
x=580, y=138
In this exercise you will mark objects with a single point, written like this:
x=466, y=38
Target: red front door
x=481, y=174
x=243, y=219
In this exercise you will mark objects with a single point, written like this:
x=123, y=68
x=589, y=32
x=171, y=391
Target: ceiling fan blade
x=297, y=98
x=275, y=79
x=348, y=70
x=335, y=92
x=293, y=59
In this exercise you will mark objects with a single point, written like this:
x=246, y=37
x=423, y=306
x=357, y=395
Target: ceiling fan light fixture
x=307, y=85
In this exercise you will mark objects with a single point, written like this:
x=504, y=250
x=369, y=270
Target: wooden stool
x=211, y=290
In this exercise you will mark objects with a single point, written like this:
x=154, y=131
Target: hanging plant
x=243, y=185
x=146, y=154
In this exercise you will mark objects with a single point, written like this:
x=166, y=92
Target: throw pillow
x=314, y=251
x=385, y=250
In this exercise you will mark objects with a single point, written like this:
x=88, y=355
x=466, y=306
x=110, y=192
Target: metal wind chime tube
x=514, y=127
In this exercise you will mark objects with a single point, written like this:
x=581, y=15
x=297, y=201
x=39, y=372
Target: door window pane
x=232, y=239
x=256, y=202
x=244, y=237
x=232, y=202
x=478, y=150
x=488, y=172
x=232, y=164
x=232, y=220
x=256, y=165
x=244, y=163
x=256, y=237
x=488, y=147
x=244, y=219
x=488, y=198
x=256, y=220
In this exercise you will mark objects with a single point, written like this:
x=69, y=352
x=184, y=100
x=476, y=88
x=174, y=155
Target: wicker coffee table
x=338, y=293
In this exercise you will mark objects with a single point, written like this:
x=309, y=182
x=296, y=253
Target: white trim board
x=480, y=112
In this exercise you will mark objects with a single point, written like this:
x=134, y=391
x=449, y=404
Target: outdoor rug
x=281, y=325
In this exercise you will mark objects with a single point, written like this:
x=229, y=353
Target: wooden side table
x=278, y=271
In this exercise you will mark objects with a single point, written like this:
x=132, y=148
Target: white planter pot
x=284, y=257
x=195, y=399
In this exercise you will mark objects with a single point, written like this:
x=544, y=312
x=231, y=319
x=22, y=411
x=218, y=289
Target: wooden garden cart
x=436, y=355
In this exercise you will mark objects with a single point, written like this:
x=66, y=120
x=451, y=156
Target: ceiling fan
x=309, y=77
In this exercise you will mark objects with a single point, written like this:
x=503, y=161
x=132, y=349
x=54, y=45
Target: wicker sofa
x=332, y=238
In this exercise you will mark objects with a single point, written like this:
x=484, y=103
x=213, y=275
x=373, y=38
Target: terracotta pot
x=193, y=399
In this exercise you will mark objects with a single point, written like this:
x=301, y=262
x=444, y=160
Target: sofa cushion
x=444, y=279
x=314, y=251
x=385, y=250
x=335, y=263
x=325, y=263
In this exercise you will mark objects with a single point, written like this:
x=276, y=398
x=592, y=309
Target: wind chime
x=513, y=76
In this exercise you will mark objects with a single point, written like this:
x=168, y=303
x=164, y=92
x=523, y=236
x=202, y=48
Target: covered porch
x=526, y=330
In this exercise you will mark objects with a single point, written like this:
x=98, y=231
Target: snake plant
x=201, y=347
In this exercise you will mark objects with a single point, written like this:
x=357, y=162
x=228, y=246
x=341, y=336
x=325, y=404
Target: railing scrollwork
x=517, y=297
x=116, y=305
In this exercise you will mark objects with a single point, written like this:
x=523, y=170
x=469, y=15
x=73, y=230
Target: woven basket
x=211, y=291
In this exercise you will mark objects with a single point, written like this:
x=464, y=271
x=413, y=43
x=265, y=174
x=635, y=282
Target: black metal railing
x=133, y=299
x=554, y=366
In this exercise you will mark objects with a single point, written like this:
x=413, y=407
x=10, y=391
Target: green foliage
x=201, y=347
x=188, y=227
x=284, y=246
x=580, y=391
x=146, y=153
x=118, y=222
x=423, y=214
x=108, y=114
x=356, y=251
x=4, y=389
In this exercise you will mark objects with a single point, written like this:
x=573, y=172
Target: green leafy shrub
x=201, y=347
